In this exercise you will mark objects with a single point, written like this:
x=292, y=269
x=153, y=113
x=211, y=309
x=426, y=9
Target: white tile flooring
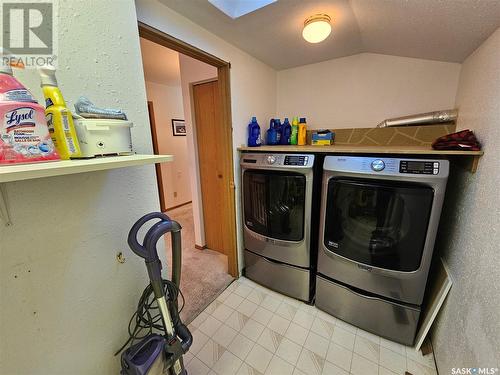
x=251, y=330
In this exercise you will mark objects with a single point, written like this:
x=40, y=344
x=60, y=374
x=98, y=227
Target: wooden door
x=207, y=110
x=154, y=136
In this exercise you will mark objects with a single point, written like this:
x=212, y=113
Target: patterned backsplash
x=422, y=135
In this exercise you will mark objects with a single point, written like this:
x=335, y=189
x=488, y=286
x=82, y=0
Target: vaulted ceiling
x=445, y=30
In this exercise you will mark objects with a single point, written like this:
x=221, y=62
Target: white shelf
x=18, y=172
x=9, y=173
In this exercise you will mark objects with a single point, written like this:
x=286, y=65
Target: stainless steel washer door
x=379, y=224
x=276, y=214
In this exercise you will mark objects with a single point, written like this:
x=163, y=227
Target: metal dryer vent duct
x=429, y=118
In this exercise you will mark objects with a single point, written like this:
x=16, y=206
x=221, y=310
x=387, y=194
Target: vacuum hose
x=160, y=288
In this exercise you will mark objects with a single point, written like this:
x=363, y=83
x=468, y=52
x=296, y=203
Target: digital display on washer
x=296, y=160
x=418, y=167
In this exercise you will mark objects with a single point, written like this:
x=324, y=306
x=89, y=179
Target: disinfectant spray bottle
x=24, y=137
x=59, y=117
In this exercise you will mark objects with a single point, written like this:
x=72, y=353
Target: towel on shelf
x=462, y=140
x=85, y=108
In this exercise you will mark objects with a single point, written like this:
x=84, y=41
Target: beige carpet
x=204, y=272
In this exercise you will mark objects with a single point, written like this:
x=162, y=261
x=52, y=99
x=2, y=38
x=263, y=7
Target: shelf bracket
x=469, y=163
x=4, y=207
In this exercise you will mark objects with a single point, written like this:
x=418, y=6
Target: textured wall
x=65, y=300
x=362, y=90
x=467, y=333
x=167, y=103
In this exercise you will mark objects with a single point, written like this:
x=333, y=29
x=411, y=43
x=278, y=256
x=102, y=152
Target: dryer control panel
x=419, y=167
x=404, y=168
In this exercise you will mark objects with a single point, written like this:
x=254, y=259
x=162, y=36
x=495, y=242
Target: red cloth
x=462, y=140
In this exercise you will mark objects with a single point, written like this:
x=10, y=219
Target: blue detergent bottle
x=272, y=134
x=277, y=127
x=254, y=133
x=286, y=131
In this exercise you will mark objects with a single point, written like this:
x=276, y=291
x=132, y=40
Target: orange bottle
x=302, y=138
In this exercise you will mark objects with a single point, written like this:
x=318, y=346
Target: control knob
x=378, y=165
x=271, y=159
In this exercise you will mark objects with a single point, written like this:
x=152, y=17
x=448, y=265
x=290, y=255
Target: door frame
x=156, y=151
x=226, y=131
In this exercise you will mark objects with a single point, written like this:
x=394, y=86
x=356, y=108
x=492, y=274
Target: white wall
x=364, y=89
x=467, y=333
x=167, y=102
x=253, y=84
x=65, y=300
x=191, y=71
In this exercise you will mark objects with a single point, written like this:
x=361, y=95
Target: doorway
x=208, y=134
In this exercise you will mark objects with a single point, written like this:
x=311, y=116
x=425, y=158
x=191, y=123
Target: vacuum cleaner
x=159, y=350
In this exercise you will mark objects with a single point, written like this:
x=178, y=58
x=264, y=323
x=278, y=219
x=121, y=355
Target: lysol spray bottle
x=59, y=117
x=24, y=137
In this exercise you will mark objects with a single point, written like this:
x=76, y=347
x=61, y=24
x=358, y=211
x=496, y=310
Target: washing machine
x=277, y=194
x=379, y=219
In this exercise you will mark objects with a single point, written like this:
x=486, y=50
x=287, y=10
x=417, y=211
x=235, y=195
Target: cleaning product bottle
x=254, y=133
x=272, y=136
x=24, y=136
x=286, y=131
x=295, y=131
x=59, y=117
x=302, y=139
x=278, y=126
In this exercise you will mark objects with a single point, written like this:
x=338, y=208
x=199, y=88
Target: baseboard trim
x=178, y=206
x=200, y=247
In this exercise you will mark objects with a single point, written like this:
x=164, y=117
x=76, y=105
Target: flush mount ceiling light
x=317, y=28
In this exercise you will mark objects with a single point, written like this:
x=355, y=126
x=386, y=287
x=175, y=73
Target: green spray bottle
x=295, y=131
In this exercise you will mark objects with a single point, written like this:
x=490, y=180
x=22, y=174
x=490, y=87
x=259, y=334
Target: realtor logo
x=29, y=30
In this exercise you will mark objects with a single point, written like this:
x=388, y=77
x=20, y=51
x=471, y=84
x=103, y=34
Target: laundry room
x=254, y=187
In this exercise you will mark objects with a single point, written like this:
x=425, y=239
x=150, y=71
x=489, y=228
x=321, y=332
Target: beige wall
x=467, y=333
x=194, y=71
x=364, y=89
x=65, y=300
x=167, y=102
x=253, y=84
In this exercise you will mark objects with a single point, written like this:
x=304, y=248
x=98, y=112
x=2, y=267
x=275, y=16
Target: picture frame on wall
x=178, y=127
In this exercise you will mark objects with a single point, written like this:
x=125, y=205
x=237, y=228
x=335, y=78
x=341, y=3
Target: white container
x=101, y=137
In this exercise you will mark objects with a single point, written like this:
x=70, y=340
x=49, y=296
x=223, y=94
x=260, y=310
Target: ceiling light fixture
x=317, y=28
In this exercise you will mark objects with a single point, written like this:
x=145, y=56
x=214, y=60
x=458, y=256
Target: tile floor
x=251, y=330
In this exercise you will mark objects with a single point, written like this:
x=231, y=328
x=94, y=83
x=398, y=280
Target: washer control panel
x=296, y=160
x=418, y=167
x=272, y=161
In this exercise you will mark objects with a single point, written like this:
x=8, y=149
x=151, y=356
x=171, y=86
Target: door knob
x=219, y=175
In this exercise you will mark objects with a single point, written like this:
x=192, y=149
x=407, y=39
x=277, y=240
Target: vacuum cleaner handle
x=154, y=267
x=136, y=247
